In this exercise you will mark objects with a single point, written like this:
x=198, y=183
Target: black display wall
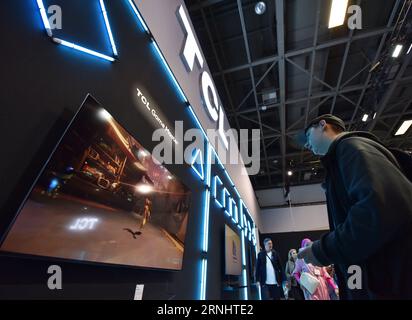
x=42, y=86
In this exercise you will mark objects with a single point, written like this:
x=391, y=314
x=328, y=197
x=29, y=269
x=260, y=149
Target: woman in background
x=332, y=293
x=294, y=289
x=320, y=273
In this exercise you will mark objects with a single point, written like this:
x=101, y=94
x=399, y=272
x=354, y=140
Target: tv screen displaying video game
x=233, y=254
x=103, y=198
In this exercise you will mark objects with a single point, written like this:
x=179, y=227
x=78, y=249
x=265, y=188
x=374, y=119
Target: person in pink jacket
x=325, y=280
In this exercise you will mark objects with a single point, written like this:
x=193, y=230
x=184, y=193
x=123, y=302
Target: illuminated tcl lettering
x=245, y=225
x=210, y=102
x=192, y=52
x=84, y=224
x=234, y=211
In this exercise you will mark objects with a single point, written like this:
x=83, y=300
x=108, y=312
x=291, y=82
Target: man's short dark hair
x=266, y=240
x=335, y=128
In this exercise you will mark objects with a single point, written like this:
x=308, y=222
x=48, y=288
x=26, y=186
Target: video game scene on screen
x=103, y=198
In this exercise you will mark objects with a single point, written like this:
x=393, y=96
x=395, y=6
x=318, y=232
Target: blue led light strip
x=134, y=8
x=203, y=279
x=205, y=242
x=44, y=17
x=197, y=122
x=73, y=45
x=244, y=267
x=198, y=155
x=158, y=51
x=245, y=294
x=205, y=245
x=208, y=165
x=109, y=30
x=82, y=49
x=169, y=71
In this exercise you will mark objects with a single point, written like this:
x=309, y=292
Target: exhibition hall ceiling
x=277, y=70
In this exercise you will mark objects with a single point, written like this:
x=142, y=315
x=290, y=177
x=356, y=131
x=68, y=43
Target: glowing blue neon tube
x=197, y=122
x=108, y=28
x=44, y=17
x=162, y=58
x=132, y=4
x=85, y=50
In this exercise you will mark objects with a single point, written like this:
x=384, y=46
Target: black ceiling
x=276, y=71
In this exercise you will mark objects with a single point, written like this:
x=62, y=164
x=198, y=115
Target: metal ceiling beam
x=219, y=65
x=306, y=116
x=280, y=32
x=375, y=60
x=257, y=83
x=347, y=123
x=398, y=103
x=335, y=91
x=385, y=116
x=293, y=53
x=406, y=139
x=240, y=37
x=204, y=4
x=252, y=77
x=321, y=94
x=343, y=66
x=388, y=95
x=356, y=75
x=256, y=122
x=312, y=67
x=310, y=87
x=398, y=118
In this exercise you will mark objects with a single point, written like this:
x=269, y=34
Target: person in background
x=295, y=292
x=331, y=271
x=320, y=273
x=269, y=272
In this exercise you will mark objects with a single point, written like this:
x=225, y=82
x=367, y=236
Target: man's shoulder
x=355, y=143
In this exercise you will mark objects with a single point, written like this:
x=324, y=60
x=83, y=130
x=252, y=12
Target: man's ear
x=323, y=123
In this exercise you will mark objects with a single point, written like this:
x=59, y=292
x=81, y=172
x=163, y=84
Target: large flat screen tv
x=101, y=197
x=233, y=253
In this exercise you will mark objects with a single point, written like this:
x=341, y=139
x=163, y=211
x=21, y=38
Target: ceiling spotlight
x=404, y=127
x=365, y=117
x=290, y=173
x=410, y=48
x=396, y=52
x=337, y=13
x=260, y=8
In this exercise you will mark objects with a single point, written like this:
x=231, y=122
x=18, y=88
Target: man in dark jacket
x=370, y=213
x=269, y=272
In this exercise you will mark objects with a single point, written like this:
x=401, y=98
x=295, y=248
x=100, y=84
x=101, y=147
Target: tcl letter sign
x=192, y=54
